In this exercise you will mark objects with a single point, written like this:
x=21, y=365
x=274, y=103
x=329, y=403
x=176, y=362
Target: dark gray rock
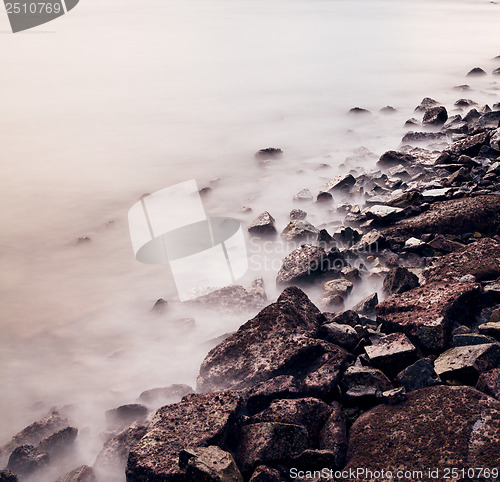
x=299, y=229
x=261, y=395
x=467, y=339
x=366, y=306
x=26, y=459
x=266, y=474
x=399, y=280
x=333, y=436
x=365, y=377
x=359, y=111
x=342, y=335
x=59, y=443
x=395, y=158
x=347, y=317
x=492, y=328
x=339, y=183
x=476, y=72
x=426, y=103
x=268, y=153
x=362, y=396
x=489, y=383
x=7, y=476
x=419, y=375
x=391, y=353
x=435, y=116
x=264, y=225
x=394, y=395
x=166, y=395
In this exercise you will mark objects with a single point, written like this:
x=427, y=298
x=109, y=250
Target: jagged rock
x=266, y=474
x=383, y=213
x=489, y=383
x=388, y=110
x=366, y=306
x=324, y=197
x=126, y=415
x=297, y=214
x=313, y=459
x=348, y=317
x=309, y=412
x=269, y=443
x=427, y=313
x=268, y=153
x=476, y=72
x=26, y=459
x=324, y=238
x=306, y=263
x=333, y=436
x=271, y=344
x=58, y=443
x=347, y=236
x=495, y=140
x=362, y=396
x=164, y=396
x=435, y=116
x=391, y=353
x=263, y=225
x=426, y=103
x=467, y=339
x=455, y=216
x=399, y=280
x=209, y=464
x=479, y=259
x=81, y=474
x=394, y=395
x=299, y=229
x=304, y=195
x=342, y=335
x=433, y=195
x=160, y=306
x=365, y=377
x=412, y=122
x=469, y=146
x=341, y=182
x=113, y=456
x=436, y=427
x=203, y=419
x=261, y=395
x=373, y=241
x=340, y=287
x=465, y=103
x=416, y=137
x=359, y=111
x=419, y=375
x=7, y=476
x=395, y=158
x=492, y=328
x=465, y=363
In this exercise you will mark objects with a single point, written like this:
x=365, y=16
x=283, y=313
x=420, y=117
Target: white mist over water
x=121, y=97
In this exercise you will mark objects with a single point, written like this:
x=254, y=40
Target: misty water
x=121, y=98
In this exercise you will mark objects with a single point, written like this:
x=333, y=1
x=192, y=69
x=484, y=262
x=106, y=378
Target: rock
x=26, y=459
x=417, y=137
x=203, y=419
x=426, y=103
x=495, y=140
x=367, y=305
x=338, y=183
x=209, y=464
x=309, y=412
x=261, y=395
x=438, y=427
x=342, y=287
x=306, y=263
x=34, y=433
x=324, y=197
x=58, y=443
x=266, y=474
x=304, y=195
x=81, y=474
x=469, y=146
x=476, y=72
x=435, y=116
x=433, y=195
x=496, y=71
x=467, y=339
x=465, y=103
x=269, y=443
x=263, y=225
x=394, y=395
x=399, y=280
x=359, y=111
x=383, y=213
x=113, y=456
x=374, y=241
x=299, y=229
x=455, y=216
x=491, y=328
x=489, y=383
x=479, y=259
x=412, y=122
x=268, y=153
x=313, y=459
x=164, y=396
x=297, y=214
x=333, y=436
x=427, y=313
x=444, y=246
x=7, y=476
x=388, y=110
x=464, y=364
x=126, y=415
x=341, y=335
x=419, y=375
x=347, y=236
x=160, y=306
x=266, y=346
x=362, y=396
x=324, y=238
x=348, y=317
x=391, y=353
x=351, y=274
x=395, y=158
x=365, y=377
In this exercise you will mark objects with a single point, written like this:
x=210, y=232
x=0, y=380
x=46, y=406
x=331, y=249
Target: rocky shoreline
x=409, y=383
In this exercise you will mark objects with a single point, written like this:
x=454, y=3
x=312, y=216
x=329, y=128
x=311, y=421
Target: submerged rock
x=268, y=153
x=476, y=72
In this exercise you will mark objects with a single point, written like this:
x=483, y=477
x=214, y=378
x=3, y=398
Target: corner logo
x=27, y=14
x=171, y=227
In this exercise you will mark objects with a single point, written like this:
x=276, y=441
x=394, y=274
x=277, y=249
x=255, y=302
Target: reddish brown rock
x=435, y=427
x=266, y=474
x=333, y=436
x=391, y=353
x=81, y=474
x=489, y=383
x=426, y=314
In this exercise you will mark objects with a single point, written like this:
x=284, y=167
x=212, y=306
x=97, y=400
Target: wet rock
x=59, y=443
x=26, y=459
x=374, y=241
x=204, y=419
x=419, y=375
x=333, y=436
x=412, y=122
x=209, y=464
x=309, y=412
x=489, y=383
x=163, y=396
x=299, y=229
x=426, y=314
x=268, y=153
x=438, y=194
x=306, y=263
x=343, y=335
x=469, y=146
x=426, y=103
x=266, y=474
x=455, y=216
x=348, y=317
x=297, y=214
x=365, y=377
x=263, y=225
x=269, y=443
x=347, y=236
x=160, y=306
x=391, y=353
x=359, y=111
x=465, y=103
x=7, y=476
x=125, y=415
x=476, y=72
x=351, y=274
x=265, y=346
x=383, y=213
x=338, y=183
x=366, y=306
x=479, y=259
x=495, y=140
x=304, y=195
x=400, y=280
x=261, y=395
x=445, y=246
x=80, y=474
x=395, y=158
x=496, y=71
x=435, y=116
x=463, y=364
x=324, y=238
x=491, y=328
x=416, y=137
x=405, y=435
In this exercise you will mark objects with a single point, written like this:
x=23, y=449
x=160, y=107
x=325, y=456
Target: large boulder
x=276, y=342
x=427, y=314
x=199, y=420
x=437, y=427
x=480, y=259
x=456, y=216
